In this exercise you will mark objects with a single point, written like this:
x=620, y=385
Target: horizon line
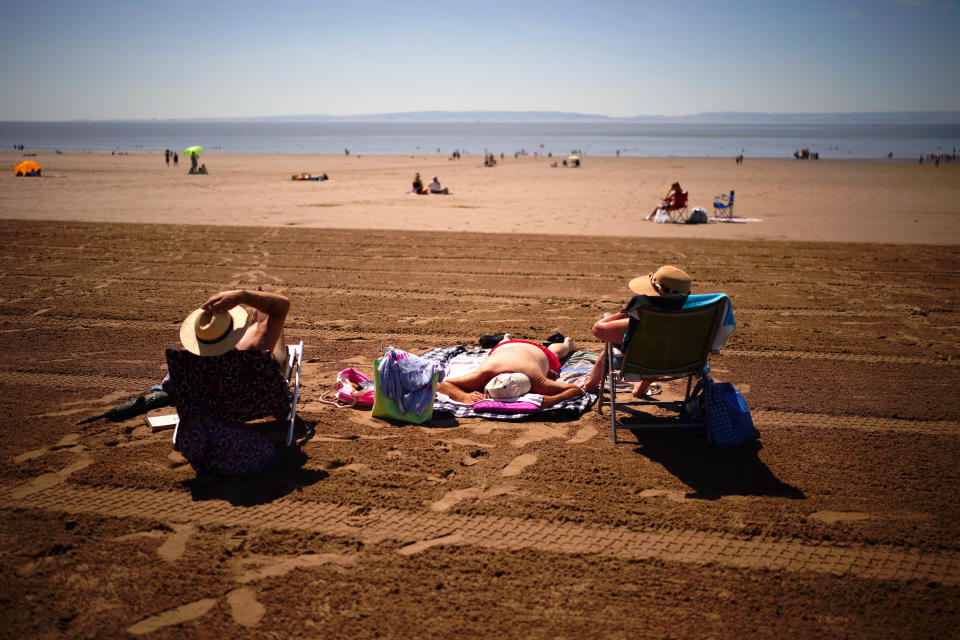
x=531, y=116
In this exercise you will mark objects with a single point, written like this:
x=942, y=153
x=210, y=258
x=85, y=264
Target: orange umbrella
x=26, y=167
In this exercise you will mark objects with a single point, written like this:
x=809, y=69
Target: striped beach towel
x=571, y=407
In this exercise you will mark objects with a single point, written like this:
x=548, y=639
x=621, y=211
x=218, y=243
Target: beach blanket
x=734, y=219
x=460, y=360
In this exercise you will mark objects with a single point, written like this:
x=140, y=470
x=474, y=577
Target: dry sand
x=834, y=201
x=842, y=521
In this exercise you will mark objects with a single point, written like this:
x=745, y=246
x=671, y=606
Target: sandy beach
x=832, y=201
x=843, y=520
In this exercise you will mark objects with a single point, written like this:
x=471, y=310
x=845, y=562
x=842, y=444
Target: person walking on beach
x=175, y=159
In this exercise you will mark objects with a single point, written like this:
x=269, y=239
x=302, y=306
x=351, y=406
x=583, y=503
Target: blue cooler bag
x=728, y=418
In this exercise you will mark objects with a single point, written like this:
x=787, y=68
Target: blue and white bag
x=728, y=418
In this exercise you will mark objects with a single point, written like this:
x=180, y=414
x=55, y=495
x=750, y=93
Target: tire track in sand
x=881, y=562
x=763, y=418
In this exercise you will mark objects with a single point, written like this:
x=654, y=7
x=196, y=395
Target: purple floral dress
x=215, y=396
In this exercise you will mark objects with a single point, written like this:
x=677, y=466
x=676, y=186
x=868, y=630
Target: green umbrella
x=189, y=151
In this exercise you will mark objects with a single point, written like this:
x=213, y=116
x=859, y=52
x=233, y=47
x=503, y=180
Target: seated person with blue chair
x=666, y=281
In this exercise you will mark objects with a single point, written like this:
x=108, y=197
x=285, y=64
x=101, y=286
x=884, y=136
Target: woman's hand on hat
x=225, y=300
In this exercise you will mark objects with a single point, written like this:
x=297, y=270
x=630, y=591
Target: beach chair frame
x=662, y=346
x=723, y=205
x=291, y=375
x=679, y=209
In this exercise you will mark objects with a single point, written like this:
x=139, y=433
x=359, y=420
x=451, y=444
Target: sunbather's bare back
x=511, y=357
x=519, y=357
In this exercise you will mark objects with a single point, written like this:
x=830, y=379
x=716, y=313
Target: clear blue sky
x=224, y=58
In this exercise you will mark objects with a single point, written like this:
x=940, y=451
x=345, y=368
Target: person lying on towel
x=541, y=365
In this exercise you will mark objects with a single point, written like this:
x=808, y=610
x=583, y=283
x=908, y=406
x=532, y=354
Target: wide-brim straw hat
x=665, y=281
x=212, y=333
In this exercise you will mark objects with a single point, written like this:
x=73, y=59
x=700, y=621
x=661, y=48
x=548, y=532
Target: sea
x=846, y=141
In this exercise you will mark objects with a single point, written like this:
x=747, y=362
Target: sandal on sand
x=488, y=342
x=555, y=338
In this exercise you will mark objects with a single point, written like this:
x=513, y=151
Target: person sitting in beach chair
x=611, y=328
x=537, y=366
x=674, y=203
x=231, y=371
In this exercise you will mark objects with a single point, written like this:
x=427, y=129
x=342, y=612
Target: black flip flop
x=489, y=342
x=555, y=338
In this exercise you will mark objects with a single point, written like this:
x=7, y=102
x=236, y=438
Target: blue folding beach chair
x=723, y=205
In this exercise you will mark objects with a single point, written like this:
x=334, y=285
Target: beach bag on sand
x=727, y=416
x=698, y=216
x=661, y=217
x=386, y=407
x=354, y=388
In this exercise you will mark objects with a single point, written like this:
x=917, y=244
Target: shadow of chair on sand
x=711, y=472
x=285, y=474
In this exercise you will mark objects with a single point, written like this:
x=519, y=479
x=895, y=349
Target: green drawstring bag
x=386, y=408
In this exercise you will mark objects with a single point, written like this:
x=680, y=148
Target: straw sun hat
x=212, y=333
x=666, y=281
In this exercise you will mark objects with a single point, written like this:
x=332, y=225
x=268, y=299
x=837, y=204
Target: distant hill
x=872, y=117
x=445, y=116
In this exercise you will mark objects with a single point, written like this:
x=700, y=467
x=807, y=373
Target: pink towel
x=499, y=406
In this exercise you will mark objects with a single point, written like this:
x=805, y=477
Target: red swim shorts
x=554, y=362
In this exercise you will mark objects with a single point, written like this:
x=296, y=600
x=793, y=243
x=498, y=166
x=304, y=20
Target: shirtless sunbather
x=540, y=364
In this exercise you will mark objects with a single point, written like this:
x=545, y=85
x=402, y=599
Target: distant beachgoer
x=436, y=188
x=175, y=159
x=418, y=185
x=166, y=157
x=669, y=201
x=193, y=162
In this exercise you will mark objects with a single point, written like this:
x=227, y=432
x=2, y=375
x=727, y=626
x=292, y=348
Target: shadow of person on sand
x=285, y=474
x=712, y=472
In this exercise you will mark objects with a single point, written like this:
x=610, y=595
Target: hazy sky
x=211, y=58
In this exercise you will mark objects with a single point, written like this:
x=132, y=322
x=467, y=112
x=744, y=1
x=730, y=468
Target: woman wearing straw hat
x=665, y=281
x=215, y=443
x=221, y=324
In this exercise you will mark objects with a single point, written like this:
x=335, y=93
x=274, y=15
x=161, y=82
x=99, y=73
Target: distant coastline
x=504, y=117
x=610, y=137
